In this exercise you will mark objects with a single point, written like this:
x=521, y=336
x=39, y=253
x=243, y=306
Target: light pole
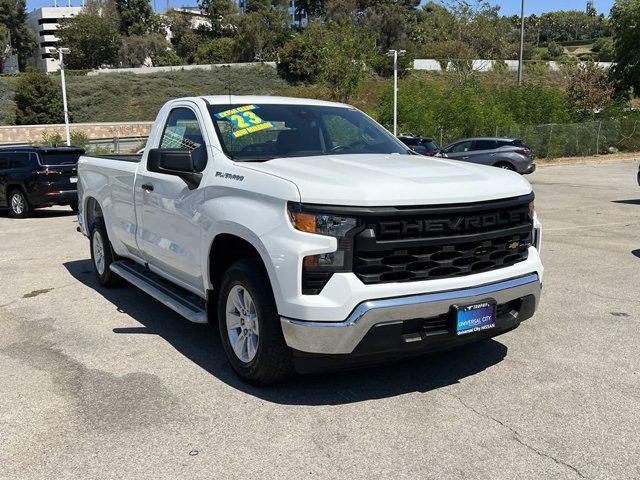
x=521, y=44
x=61, y=52
x=394, y=54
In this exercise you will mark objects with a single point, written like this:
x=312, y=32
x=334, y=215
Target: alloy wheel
x=242, y=323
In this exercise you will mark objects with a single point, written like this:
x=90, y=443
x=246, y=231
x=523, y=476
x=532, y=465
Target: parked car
x=35, y=177
x=310, y=235
x=419, y=144
x=508, y=153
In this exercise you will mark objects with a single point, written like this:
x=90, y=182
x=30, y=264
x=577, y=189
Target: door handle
x=147, y=186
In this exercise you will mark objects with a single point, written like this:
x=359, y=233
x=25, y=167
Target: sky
x=508, y=7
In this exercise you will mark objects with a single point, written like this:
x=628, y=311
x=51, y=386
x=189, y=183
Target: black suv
x=33, y=177
x=419, y=144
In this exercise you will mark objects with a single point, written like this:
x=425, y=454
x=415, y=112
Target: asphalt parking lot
x=102, y=383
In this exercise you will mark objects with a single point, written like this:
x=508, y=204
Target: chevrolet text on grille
x=459, y=224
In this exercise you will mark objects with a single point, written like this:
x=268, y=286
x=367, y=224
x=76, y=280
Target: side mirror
x=175, y=162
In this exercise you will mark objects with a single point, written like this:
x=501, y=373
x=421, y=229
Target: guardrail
x=112, y=145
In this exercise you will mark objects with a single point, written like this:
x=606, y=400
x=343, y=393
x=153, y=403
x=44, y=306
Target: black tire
x=103, y=273
x=19, y=206
x=273, y=360
x=505, y=166
x=74, y=207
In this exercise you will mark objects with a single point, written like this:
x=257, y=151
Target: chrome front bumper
x=343, y=337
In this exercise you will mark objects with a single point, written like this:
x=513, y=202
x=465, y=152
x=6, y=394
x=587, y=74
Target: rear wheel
x=19, y=206
x=250, y=326
x=102, y=255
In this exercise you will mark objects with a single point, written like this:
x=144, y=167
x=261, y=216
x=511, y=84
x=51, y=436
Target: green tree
x=311, y=8
x=301, y=56
x=589, y=89
x=179, y=24
x=625, y=18
x=188, y=46
x=137, y=17
x=38, y=100
x=603, y=48
x=22, y=41
x=139, y=50
x=168, y=58
x=218, y=50
x=5, y=46
x=218, y=12
x=260, y=34
x=344, y=59
x=91, y=39
x=554, y=51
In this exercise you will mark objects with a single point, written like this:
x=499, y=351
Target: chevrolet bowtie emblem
x=513, y=245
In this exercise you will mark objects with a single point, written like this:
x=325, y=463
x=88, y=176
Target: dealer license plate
x=475, y=317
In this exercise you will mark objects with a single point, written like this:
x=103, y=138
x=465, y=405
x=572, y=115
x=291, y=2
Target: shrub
x=300, y=57
x=219, y=50
x=38, y=100
x=428, y=104
x=168, y=58
x=78, y=139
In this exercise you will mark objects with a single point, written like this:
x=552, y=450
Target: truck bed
x=124, y=157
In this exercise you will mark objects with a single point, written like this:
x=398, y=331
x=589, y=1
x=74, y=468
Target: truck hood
x=389, y=180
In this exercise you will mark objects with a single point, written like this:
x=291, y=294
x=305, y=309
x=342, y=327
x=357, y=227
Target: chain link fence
x=568, y=140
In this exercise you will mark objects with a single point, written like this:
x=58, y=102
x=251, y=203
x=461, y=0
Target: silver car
x=508, y=153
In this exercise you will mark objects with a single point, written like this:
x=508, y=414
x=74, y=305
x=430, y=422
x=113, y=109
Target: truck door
x=4, y=166
x=169, y=232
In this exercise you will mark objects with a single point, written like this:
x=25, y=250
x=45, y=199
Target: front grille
x=443, y=242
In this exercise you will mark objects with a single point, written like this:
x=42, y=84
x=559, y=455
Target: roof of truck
x=268, y=99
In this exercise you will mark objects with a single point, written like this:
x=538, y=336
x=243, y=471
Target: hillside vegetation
x=128, y=97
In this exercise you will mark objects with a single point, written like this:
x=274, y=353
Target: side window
x=461, y=147
x=18, y=160
x=485, y=145
x=182, y=132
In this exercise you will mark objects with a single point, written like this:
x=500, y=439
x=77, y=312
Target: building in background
x=296, y=19
x=195, y=16
x=44, y=22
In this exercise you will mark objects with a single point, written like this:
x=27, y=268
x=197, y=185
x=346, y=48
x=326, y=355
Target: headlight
x=330, y=225
x=317, y=269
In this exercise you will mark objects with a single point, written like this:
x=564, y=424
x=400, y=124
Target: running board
x=185, y=303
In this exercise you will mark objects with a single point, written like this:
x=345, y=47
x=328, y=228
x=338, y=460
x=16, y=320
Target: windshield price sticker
x=245, y=120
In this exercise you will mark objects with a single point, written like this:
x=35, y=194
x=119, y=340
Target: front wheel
x=250, y=326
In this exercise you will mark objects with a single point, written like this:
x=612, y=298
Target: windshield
x=262, y=132
x=58, y=158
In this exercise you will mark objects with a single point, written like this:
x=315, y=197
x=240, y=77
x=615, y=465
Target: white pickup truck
x=310, y=235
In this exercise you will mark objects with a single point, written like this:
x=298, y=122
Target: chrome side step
x=190, y=306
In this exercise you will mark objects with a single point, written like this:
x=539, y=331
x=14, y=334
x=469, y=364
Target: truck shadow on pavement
x=201, y=345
